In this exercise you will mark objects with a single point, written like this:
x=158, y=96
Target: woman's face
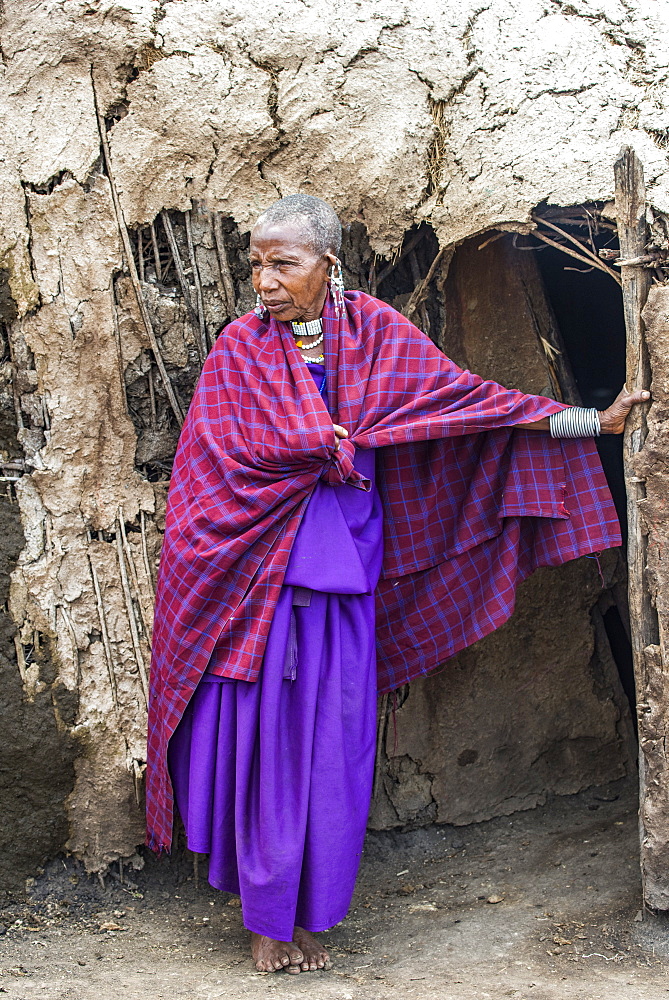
x=289, y=276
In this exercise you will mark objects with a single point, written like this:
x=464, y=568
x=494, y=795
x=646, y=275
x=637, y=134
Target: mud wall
x=38, y=750
x=651, y=467
x=113, y=113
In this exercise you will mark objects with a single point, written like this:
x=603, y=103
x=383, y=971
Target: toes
x=296, y=956
x=293, y=970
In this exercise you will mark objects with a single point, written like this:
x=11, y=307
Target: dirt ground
x=537, y=906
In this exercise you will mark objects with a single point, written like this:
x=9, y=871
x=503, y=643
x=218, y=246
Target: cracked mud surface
x=540, y=906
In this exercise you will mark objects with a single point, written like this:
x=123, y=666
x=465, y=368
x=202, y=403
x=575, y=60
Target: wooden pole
x=636, y=282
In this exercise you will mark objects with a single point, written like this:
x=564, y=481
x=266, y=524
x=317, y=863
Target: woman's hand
x=613, y=419
x=340, y=432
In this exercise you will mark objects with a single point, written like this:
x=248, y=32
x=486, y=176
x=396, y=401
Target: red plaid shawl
x=468, y=514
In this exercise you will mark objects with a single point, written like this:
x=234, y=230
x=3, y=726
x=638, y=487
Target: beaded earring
x=337, y=287
x=259, y=308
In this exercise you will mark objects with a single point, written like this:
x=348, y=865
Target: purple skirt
x=273, y=779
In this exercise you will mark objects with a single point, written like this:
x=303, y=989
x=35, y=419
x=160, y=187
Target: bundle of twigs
x=581, y=249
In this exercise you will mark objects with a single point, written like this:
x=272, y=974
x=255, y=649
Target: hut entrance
x=588, y=309
x=543, y=705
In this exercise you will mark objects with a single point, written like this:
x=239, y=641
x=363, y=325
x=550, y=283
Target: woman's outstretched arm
x=611, y=420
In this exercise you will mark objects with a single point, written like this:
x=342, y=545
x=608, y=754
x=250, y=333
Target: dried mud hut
x=469, y=150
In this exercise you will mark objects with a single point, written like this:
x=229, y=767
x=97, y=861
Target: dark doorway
x=588, y=308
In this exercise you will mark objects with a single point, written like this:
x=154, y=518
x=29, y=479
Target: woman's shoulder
x=240, y=328
x=376, y=313
x=372, y=308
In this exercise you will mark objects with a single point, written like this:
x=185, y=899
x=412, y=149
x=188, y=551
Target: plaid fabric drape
x=471, y=505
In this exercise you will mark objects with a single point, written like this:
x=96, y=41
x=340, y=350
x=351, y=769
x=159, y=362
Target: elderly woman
x=347, y=510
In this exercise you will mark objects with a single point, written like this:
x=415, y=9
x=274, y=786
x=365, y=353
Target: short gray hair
x=317, y=220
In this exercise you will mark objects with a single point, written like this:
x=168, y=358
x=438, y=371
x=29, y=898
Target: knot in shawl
x=456, y=481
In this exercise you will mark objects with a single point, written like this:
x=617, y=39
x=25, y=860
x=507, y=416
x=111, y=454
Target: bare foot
x=315, y=955
x=271, y=956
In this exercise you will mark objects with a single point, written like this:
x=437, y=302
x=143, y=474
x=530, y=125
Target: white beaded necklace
x=312, y=328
